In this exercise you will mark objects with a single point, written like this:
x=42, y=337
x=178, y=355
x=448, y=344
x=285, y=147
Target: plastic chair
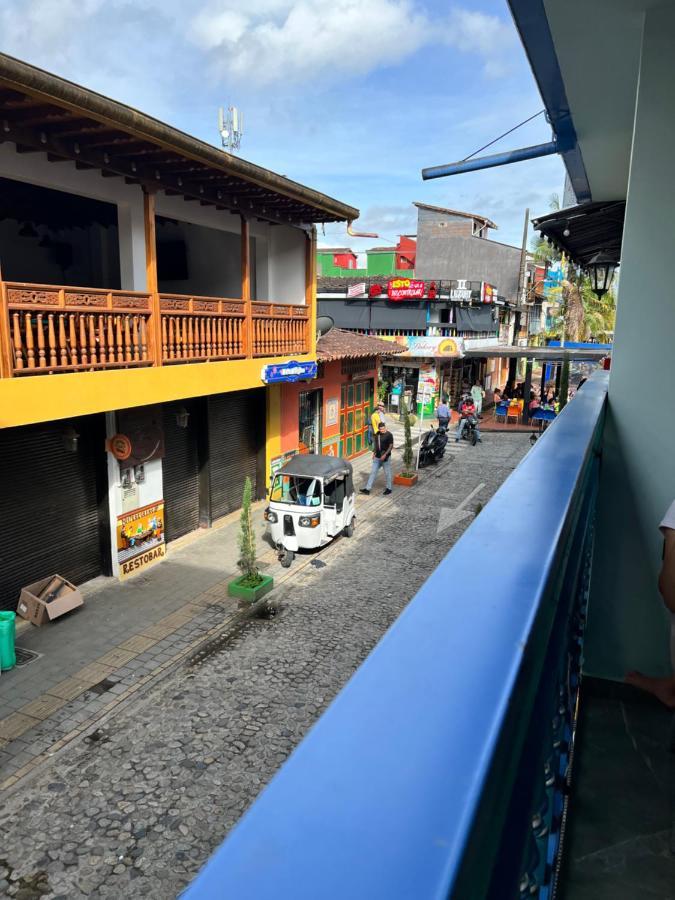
x=502, y=409
x=515, y=410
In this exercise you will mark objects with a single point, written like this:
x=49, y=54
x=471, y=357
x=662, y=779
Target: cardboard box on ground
x=48, y=599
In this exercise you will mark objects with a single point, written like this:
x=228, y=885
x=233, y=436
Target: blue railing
x=439, y=770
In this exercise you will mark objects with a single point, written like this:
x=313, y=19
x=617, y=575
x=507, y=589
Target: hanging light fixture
x=601, y=270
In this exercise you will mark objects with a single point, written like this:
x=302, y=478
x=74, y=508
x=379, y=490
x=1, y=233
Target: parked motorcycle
x=470, y=432
x=433, y=446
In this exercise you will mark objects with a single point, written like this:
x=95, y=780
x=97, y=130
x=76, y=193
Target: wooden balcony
x=46, y=329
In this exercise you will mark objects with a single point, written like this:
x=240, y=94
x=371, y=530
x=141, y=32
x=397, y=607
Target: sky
x=350, y=97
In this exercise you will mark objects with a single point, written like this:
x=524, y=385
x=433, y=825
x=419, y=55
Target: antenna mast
x=231, y=127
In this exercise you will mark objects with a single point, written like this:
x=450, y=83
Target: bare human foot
x=662, y=688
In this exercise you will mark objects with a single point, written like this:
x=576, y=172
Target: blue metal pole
x=487, y=162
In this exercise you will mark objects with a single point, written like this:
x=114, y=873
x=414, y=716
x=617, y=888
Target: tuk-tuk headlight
x=309, y=521
x=270, y=516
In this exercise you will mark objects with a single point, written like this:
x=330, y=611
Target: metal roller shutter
x=180, y=471
x=53, y=504
x=236, y=447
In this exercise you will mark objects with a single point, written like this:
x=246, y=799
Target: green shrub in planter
x=250, y=585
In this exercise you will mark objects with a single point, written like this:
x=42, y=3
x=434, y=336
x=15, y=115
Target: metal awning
x=592, y=227
x=548, y=354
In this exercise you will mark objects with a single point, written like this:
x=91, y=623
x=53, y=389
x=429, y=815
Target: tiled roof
x=339, y=344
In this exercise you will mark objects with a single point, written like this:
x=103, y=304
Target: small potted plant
x=408, y=477
x=250, y=585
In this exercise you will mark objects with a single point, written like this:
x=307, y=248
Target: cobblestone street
x=134, y=809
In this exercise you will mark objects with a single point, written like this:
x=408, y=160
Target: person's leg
x=386, y=465
x=478, y=430
x=373, y=473
x=662, y=688
x=460, y=429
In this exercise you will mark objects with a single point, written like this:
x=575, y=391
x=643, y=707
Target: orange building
x=330, y=414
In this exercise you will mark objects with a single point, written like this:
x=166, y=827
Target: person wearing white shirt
x=664, y=688
x=477, y=394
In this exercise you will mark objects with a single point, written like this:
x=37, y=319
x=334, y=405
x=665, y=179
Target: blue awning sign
x=289, y=371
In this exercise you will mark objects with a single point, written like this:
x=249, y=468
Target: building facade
x=149, y=284
x=331, y=415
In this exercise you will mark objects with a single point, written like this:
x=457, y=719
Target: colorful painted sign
x=449, y=348
x=488, y=292
x=553, y=280
x=332, y=408
x=140, y=538
x=427, y=388
x=405, y=289
x=289, y=371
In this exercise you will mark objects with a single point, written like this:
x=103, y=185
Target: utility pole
x=523, y=263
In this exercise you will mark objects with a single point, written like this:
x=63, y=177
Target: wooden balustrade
x=279, y=330
x=47, y=329
x=196, y=329
x=75, y=329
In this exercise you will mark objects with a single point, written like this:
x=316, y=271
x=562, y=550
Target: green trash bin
x=7, y=634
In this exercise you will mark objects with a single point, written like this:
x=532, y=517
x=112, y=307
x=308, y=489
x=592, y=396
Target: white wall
x=287, y=265
x=628, y=627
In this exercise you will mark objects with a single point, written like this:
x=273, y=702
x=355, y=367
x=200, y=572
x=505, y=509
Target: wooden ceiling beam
x=151, y=177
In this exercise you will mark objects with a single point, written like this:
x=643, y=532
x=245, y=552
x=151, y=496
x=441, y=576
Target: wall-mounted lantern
x=601, y=270
x=70, y=439
x=182, y=417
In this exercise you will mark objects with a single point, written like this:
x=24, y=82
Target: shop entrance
x=53, y=504
x=310, y=421
x=356, y=406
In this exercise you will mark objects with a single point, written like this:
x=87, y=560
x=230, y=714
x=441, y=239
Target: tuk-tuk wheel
x=286, y=558
x=349, y=529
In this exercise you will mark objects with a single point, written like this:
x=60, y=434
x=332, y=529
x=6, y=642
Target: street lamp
x=601, y=272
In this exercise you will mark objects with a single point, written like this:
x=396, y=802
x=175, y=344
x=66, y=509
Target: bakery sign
x=405, y=289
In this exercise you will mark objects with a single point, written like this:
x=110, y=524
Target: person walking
x=478, y=394
x=443, y=413
x=384, y=444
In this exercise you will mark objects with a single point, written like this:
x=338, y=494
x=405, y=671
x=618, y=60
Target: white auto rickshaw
x=311, y=502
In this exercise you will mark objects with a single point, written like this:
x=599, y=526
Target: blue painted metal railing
x=440, y=769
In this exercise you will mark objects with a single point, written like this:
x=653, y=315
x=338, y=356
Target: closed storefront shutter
x=236, y=448
x=180, y=470
x=53, y=504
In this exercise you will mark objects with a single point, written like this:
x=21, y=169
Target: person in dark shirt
x=384, y=444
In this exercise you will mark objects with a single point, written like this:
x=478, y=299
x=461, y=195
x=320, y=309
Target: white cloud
x=489, y=37
x=296, y=40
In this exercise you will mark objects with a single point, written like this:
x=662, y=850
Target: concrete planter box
x=250, y=594
x=405, y=480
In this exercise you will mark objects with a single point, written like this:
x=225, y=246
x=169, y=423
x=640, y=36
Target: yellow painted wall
x=42, y=398
x=273, y=431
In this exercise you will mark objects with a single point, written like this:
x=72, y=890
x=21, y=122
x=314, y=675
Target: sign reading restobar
x=289, y=371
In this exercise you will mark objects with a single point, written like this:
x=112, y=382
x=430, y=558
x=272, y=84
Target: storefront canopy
x=591, y=228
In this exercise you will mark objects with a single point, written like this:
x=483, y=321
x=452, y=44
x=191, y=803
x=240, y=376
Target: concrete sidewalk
x=128, y=634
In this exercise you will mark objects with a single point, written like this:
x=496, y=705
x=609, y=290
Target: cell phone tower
x=231, y=127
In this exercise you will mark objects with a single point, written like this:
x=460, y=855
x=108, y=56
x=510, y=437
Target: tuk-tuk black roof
x=313, y=465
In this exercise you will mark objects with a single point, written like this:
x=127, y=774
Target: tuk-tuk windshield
x=296, y=489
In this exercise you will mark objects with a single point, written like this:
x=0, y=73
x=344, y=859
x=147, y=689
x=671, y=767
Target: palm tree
x=583, y=314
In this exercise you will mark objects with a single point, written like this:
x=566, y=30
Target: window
x=297, y=490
